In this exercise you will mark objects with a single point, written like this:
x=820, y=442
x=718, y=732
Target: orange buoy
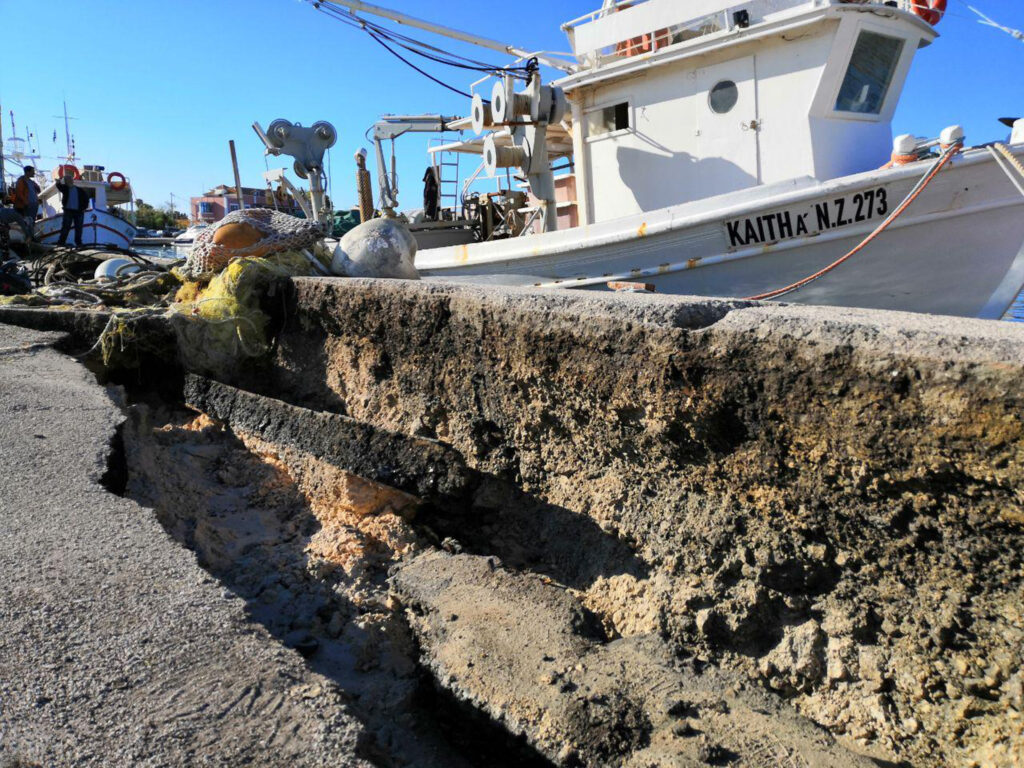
x=121, y=182
x=929, y=10
x=239, y=236
x=63, y=170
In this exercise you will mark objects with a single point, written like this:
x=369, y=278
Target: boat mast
x=3, y=175
x=67, y=133
x=465, y=37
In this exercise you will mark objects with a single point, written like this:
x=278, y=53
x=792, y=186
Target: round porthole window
x=723, y=97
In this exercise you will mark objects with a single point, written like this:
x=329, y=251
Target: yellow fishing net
x=224, y=295
x=224, y=322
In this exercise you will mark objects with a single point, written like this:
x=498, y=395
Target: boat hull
x=958, y=249
x=101, y=229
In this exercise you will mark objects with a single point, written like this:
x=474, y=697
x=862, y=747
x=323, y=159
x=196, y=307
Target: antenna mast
x=67, y=131
x=986, y=21
x=67, y=134
x=3, y=175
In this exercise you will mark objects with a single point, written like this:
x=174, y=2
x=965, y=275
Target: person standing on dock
x=26, y=196
x=74, y=201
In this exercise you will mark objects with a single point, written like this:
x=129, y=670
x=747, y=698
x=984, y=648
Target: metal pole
x=3, y=176
x=238, y=182
x=67, y=132
x=438, y=29
x=363, y=190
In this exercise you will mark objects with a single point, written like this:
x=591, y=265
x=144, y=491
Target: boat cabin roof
x=630, y=29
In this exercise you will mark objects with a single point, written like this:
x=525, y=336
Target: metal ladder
x=448, y=191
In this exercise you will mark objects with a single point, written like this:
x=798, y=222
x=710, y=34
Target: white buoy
x=954, y=134
x=1017, y=137
x=904, y=144
x=376, y=248
x=111, y=269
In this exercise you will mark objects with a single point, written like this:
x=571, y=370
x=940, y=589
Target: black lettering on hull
x=735, y=238
x=824, y=221
x=818, y=217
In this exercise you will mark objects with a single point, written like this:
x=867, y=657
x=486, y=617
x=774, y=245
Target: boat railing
x=635, y=27
x=603, y=38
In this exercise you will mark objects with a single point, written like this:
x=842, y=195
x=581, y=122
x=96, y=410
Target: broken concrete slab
x=418, y=465
x=770, y=466
x=527, y=653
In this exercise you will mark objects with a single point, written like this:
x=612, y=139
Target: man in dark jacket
x=74, y=201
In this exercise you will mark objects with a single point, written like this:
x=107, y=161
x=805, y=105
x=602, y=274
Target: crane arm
x=391, y=127
x=465, y=37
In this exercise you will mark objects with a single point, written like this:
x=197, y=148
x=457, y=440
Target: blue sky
x=158, y=87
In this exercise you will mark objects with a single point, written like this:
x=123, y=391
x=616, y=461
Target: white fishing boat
x=109, y=220
x=102, y=227
x=741, y=150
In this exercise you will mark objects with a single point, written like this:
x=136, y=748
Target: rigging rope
x=925, y=180
x=998, y=149
x=427, y=75
x=382, y=36
x=416, y=46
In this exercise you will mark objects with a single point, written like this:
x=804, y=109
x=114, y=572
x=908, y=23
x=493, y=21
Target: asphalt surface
x=116, y=648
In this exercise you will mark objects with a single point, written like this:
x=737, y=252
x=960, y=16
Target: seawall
x=820, y=506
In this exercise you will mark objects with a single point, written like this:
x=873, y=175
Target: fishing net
x=219, y=325
x=273, y=232
x=216, y=309
x=212, y=324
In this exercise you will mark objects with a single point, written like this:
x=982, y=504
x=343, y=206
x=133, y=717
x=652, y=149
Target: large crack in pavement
x=456, y=659
x=813, y=508
x=308, y=548
x=116, y=649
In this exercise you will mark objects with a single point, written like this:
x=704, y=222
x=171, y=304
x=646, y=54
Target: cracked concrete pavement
x=116, y=648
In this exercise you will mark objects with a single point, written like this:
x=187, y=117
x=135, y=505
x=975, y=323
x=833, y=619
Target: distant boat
x=189, y=235
x=108, y=193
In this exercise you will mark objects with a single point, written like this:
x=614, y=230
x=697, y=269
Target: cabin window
x=870, y=73
x=723, y=97
x=614, y=117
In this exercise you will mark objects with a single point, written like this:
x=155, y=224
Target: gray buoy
x=376, y=248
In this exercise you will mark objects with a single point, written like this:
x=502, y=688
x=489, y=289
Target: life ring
x=64, y=170
x=929, y=10
x=121, y=182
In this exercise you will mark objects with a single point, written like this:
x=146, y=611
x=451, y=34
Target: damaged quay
x=540, y=476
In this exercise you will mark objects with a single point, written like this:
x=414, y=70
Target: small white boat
x=727, y=150
x=108, y=192
x=189, y=235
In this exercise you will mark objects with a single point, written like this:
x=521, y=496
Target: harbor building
x=218, y=202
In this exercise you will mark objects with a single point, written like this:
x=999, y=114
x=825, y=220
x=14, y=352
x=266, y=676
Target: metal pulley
x=549, y=106
x=506, y=103
x=496, y=157
x=541, y=104
x=482, y=119
x=306, y=145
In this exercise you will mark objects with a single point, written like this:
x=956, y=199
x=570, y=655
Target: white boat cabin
x=678, y=101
